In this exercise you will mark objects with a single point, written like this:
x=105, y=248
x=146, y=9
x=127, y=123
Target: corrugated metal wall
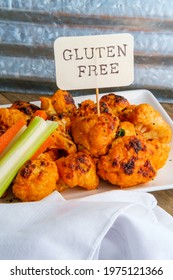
x=28, y=30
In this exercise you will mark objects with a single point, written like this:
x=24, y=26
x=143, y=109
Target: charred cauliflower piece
x=110, y=103
x=148, y=121
x=86, y=108
x=35, y=180
x=28, y=109
x=46, y=105
x=115, y=102
x=63, y=141
x=127, y=162
x=159, y=153
x=95, y=133
x=60, y=103
x=9, y=116
x=64, y=123
x=63, y=102
x=77, y=170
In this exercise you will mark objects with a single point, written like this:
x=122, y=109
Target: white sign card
x=85, y=62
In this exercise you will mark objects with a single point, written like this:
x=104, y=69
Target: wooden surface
x=164, y=198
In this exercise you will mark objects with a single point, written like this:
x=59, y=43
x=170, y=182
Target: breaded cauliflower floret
x=115, y=102
x=9, y=116
x=26, y=108
x=35, y=180
x=46, y=105
x=110, y=103
x=88, y=108
x=148, y=121
x=127, y=162
x=125, y=113
x=95, y=133
x=159, y=153
x=63, y=141
x=77, y=170
x=61, y=102
x=64, y=123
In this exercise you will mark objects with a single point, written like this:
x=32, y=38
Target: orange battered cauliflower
x=95, y=133
x=36, y=179
x=148, y=121
x=159, y=153
x=127, y=162
x=77, y=170
x=115, y=102
x=88, y=108
x=27, y=108
x=63, y=141
x=8, y=117
x=61, y=102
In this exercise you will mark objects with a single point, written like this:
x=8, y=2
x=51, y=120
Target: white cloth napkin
x=112, y=225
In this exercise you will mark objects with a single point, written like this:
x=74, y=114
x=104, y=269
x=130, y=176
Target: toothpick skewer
x=97, y=100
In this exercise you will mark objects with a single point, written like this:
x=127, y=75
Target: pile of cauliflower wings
x=125, y=144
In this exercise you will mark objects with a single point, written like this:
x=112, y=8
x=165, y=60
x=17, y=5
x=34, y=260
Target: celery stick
x=23, y=149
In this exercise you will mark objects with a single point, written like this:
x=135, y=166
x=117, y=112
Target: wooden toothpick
x=97, y=100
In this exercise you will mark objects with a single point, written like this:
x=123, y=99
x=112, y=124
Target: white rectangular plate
x=164, y=178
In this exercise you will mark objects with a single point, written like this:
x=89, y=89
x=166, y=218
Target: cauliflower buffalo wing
x=28, y=109
x=115, y=102
x=159, y=153
x=88, y=108
x=46, y=105
x=60, y=103
x=9, y=116
x=63, y=142
x=127, y=162
x=36, y=179
x=77, y=170
x=148, y=121
x=95, y=133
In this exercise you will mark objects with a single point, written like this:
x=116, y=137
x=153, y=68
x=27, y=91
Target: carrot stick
x=47, y=143
x=7, y=137
x=40, y=113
